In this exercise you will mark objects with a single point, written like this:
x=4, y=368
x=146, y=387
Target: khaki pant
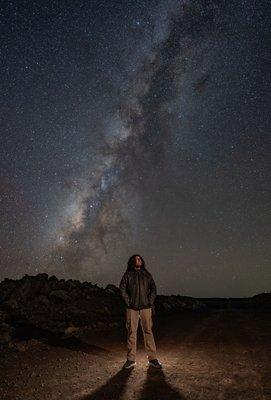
x=132, y=318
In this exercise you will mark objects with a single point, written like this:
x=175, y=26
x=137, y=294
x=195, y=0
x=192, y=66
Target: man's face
x=138, y=262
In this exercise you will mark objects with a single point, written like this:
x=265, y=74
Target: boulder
x=58, y=296
x=6, y=332
x=71, y=331
x=43, y=300
x=261, y=300
x=112, y=289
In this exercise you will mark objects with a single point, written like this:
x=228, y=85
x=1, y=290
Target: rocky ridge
x=45, y=306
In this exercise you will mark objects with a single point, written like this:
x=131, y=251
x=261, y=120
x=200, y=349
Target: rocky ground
x=214, y=349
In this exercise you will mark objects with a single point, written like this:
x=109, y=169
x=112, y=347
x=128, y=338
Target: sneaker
x=155, y=363
x=129, y=364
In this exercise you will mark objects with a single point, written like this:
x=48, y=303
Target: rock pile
x=262, y=300
x=48, y=305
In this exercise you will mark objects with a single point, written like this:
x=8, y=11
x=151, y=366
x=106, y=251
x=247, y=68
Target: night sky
x=137, y=127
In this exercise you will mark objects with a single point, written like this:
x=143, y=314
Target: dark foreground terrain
x=217, y=354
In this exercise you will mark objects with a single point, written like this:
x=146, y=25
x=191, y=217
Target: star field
x=137, y=127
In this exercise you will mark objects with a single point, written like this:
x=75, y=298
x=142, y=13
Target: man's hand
x=153, y=310
x=153, y=291
x=123, y=292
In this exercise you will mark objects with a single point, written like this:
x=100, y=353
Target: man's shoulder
x=147, y=273
x=127, y=273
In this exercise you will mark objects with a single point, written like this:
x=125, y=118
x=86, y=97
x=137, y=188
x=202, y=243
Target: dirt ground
x=219, y=354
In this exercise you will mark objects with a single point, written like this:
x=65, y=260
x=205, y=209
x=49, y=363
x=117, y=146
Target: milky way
x=138, y=127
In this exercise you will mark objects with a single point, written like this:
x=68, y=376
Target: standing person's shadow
x=113, y=389
x=156, y=387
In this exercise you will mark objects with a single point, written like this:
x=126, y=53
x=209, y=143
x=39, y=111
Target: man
x=138, y=291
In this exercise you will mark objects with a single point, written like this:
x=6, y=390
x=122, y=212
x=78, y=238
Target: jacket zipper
x=138, y=290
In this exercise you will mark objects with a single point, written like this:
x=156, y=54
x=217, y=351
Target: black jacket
x=138, y=289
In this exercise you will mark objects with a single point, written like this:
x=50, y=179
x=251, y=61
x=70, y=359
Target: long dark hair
x=131, y=263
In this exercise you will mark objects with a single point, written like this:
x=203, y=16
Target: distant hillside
x=259, y=300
